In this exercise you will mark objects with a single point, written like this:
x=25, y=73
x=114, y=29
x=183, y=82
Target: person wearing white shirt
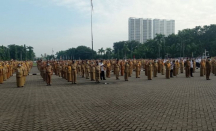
x=102, y=74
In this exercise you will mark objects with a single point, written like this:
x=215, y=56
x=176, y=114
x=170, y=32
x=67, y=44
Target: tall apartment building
x=156, y=27
x=147, y=29
x=143, y=29
x=140, y=29
x=165, y=27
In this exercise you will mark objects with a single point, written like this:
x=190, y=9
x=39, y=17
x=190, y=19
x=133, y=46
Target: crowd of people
x=21, y=68
x=97, y=70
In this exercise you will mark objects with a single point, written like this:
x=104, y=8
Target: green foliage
x=16, y=52
x=187, y=43
x=184, y=44
x=81, y=52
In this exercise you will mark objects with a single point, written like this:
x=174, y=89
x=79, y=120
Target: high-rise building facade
x=143, y=29
x=147, y=29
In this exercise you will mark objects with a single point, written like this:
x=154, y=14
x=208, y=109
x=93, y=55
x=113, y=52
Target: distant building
x=141, y=30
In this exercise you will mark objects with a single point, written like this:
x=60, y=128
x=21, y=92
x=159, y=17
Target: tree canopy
x=16, y=52
x=187, y=43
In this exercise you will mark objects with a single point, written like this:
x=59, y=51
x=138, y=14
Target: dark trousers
x=191, y=72
x=102, y=75
x=171, y=73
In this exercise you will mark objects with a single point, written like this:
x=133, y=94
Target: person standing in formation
x=150, y=71
x=162, y=67
x=102, y=68
x=87, y=69
x=69, y=73
x=97, y=72
x=74, y=73
x=122, y=67
x=93, y=71
x=187, y=68
x=155, y=68
x=208, y=68
x=168, y=69
x=130, y=68
x=19, y=76
x=194, y=65
x=177, y=67
x=1, y=74
x=126, y=71
x=117, y=66
x=202, y=68
x=49, y=72
x=108, y=69
x=137, y=69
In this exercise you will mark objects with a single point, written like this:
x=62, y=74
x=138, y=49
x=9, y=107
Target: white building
x=165, y=27
x=143, y=29
x=147, y=29
x=140, y=29
x=156, y=27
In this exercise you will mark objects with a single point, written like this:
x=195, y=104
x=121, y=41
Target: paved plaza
x=177, y=104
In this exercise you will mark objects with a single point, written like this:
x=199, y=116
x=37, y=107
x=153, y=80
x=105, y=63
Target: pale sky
x=63, y=24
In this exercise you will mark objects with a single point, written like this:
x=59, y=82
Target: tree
x=101, y=50
x=108, y=51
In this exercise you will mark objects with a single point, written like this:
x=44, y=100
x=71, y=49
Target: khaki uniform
x=97, y=73
x=60, y=70
x=155, y=69
x=168, y=68
x=138, y=67
x=162, y=68
x=66, y=72
x=1, y=74
x=74, y=73
x=92, y=73
x=177, y=68
x=208, y=69
x=79, y=70
x=130, y=68
x=69, y=74
x=117, y=66
x=49, y=72
x=4, y=73
x=87, y=70
x=194, y=66
x=122, y=68
x=19, y=77
x=126, y=71
x=202, y=68
x=108, y=70
x=25, y=73
x=149, y=71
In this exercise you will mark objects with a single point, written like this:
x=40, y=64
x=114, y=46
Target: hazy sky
x=63, y=24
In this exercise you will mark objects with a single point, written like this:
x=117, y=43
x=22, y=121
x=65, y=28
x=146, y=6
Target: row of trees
x=187, y=43
x=16, y=52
